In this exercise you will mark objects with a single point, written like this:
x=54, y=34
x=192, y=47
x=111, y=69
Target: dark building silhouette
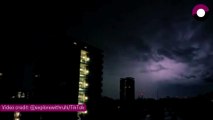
x=15, y=76
x=67, y=72
x=127, y=89
x=70, y=73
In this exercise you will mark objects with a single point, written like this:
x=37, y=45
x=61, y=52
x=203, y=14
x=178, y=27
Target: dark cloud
x=157, y=42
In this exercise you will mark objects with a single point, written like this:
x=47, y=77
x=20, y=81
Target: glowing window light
x=23, y=95
x=83, y=61
x=80, y=82
x=19, y=95
x=82, y=98
x=1, y=74
x=83, y=57
x=83, y=65
x=85, y=112
x=82, y=79
x=80, y=89
x=80, y=103
x=82, y=86
x=83, y=52
x=86, y=98
x=86, y=72
x=87, y=59
x=17, y=114
x=81, y=75
x=17, y=119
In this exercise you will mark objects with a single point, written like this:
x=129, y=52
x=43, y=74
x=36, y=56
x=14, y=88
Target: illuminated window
x=85, y=112
x=80, y=83
x=36, y=75
x=86, y=72
x=82, y=75
x=87, y=59
x=86, y=98
x=86, y=85
x=84, y=56
x=23, y=95
x=84, y=59
x=80, y=89
x=83, y=52
x=17, y=114
x=82, y=79
x=83, y=66
x=19, y=95
x=1, y=74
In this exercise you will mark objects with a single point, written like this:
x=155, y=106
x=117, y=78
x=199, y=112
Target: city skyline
x=159, y=43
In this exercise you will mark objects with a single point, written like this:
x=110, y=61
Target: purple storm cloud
x=159, y=44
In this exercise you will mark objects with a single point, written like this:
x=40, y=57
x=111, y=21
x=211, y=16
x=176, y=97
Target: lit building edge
x=83, y=85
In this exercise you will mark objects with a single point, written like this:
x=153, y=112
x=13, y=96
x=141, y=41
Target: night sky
x=157, y=42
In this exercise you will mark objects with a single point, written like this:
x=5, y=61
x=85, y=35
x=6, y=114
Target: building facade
x=71, y=74
x=127, y=89
x=68, y=72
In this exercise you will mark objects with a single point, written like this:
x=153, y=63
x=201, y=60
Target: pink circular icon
x=200, y=12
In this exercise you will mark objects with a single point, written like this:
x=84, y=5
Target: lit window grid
x=83, y=85
x=82, y=98
x=84, y=72
x=84, y=57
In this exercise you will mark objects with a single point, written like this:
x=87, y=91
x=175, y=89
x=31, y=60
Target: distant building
x=15, y=76
x=67, y=72
x=127, y=89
